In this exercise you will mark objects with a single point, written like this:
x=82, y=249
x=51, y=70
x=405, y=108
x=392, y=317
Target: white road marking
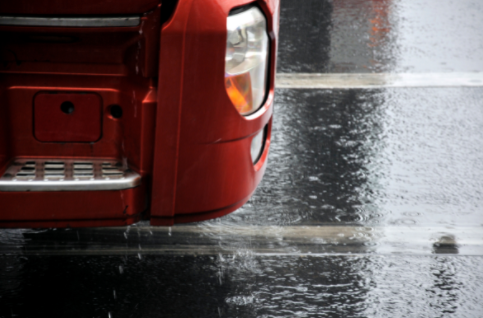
x=207, y=239
x=377, y=80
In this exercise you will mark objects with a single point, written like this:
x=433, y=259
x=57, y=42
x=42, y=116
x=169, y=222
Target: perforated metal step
x=67, y=175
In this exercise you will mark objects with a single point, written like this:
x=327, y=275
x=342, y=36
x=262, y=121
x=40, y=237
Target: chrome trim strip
x=91, y=22
x=43, y=178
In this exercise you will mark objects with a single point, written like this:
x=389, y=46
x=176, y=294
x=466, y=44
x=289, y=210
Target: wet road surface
x=367, y=36
x=371, y=205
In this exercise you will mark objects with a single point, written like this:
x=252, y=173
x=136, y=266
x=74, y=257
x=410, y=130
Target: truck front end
x=112, y=112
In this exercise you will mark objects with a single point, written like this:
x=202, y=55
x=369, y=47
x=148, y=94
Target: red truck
x=113, y=111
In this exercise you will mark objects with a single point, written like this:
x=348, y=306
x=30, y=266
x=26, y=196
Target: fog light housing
x=246, y=59
x=257, y=146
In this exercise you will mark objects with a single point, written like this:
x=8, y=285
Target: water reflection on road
x=366, y=36
x=387, y=156
x=241, y=285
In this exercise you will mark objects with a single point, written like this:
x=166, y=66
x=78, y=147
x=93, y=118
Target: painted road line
x=208, y=239
x=377, y=80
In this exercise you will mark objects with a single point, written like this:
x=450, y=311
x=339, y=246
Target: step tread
x=68, y=175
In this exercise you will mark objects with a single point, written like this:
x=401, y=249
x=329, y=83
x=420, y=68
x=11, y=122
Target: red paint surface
x=58, y=7
x=64, y=205
x=115, y=65
x=53, y=124
x=202, y=153
x=179, y=129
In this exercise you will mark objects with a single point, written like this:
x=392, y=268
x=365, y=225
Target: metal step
x=67, y=175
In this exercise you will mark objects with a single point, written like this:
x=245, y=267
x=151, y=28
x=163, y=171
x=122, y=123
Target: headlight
x=246, y=60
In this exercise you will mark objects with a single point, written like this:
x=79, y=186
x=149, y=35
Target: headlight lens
x=246, y=60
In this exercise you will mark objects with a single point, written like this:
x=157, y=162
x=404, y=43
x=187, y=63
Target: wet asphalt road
x=366, y=36
x=371, y=205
